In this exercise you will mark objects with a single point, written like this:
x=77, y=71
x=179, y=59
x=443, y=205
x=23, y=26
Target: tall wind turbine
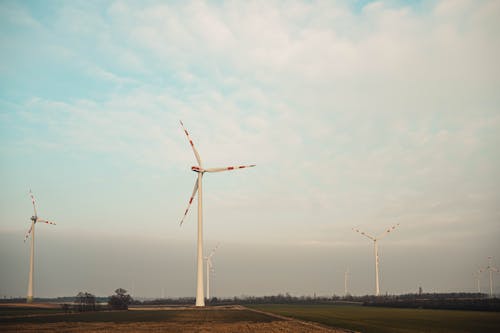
x=375, y=246
x=210, y=268
x=200, y=301
x=34, y=219
x=491, y=269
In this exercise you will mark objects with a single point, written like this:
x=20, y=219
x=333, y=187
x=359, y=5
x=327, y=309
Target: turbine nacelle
x=33, y=218
x=197, y=169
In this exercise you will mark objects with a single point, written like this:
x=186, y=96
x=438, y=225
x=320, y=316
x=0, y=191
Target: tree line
x=459, y=301
x=85, y=301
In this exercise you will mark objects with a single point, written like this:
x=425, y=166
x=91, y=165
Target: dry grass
x=29, y=306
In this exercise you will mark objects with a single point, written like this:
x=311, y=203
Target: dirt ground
x=30, y=305
x=167, y=327
x=189, y=323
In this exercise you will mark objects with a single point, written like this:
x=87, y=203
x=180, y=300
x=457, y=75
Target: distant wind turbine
x=491, y=269
x=375, y=246
x=210, y=268
x=346, y=280
x=477, y=277
x=200, y=301
x=34, y=219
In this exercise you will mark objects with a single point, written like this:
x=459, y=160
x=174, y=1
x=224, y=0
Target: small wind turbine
x=346, y=278
x=34, y=219
x=477, y=277
x=375, y=246
x=210, y=268
x=491, y=269
x=200, y=301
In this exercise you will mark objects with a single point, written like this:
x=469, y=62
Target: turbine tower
x=34, y=219
x=200, y=301
x=346, y=278
x=491, y=269
x=375, y=247
x=210, y=268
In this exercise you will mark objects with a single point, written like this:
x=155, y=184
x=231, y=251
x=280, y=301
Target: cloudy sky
x=357, y=113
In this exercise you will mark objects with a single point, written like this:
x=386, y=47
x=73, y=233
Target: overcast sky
x=357, y=113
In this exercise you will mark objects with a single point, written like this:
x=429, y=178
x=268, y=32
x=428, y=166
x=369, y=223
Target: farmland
x=189, y=319
x=254, y=318
x=391, y=320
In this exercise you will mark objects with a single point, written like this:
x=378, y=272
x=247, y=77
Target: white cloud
x=386, y=115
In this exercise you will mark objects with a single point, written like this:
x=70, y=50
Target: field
x=255, y=318
x=390, y=320
x=190, y=319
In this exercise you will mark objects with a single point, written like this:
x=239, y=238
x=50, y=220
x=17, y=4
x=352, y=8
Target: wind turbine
x=375, y=246
x=210, y=268
x=477, y=277
x=34, y=219
x=200, y=301
x=491, y=269
x=346, y=277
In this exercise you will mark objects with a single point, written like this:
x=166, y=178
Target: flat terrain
x=189, y=319
x=391, y=320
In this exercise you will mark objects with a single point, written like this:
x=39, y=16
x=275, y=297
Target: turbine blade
x=229, y=168
x=213, y=252
x=390, y=229
x=45, y=221
x=28, y=233
x=192, y=145
x=33, y=200
x=195, y=189
x=364, y=234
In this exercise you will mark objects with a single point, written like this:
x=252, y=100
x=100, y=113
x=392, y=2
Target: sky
x=358, y=114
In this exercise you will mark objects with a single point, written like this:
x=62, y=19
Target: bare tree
x=120, y=300
x=85, y=302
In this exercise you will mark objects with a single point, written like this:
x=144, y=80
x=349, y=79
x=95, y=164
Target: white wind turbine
x=200, y=301
x=210, y=268
x=34, y=219
x=375, y=246
x=491, y=269
x=346, y=280
x=477, y=277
